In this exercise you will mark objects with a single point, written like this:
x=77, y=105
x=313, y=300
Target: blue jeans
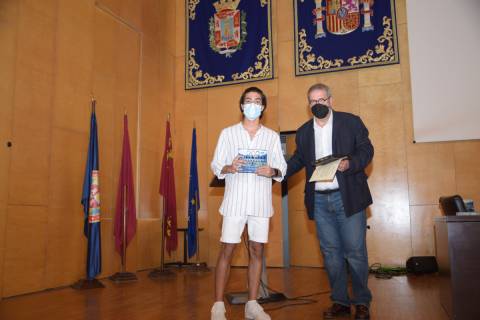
x=343, y=239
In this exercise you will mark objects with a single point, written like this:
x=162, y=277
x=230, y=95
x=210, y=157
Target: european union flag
x=193, y=199
x=91, y=203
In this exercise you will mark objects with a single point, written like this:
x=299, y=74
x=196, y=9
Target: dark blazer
x=350, y=138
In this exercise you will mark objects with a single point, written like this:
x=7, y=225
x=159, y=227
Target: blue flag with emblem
x=193, y=199
x=228, y=41
x=91, y=203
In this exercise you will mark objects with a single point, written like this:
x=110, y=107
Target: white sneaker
x=254, y=311
x=218, y=311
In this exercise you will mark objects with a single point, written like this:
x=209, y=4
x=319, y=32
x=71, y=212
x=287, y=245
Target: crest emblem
x=342, y=16
x=228, y=27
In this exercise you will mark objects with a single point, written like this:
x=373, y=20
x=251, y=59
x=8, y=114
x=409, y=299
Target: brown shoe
x=335, y=311
x=361, y=312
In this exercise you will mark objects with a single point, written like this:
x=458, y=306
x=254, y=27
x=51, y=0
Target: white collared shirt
x=323, y=148
x=247, y=193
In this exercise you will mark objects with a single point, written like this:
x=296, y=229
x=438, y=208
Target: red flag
x=167, y=190
x=125, y=196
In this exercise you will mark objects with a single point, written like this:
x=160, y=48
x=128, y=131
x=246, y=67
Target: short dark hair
x=257, y=90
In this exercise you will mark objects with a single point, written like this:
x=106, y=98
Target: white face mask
x=252, y=110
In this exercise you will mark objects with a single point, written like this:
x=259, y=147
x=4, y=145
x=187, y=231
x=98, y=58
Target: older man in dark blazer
x=338, y=206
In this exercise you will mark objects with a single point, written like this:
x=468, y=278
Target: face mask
x=252, y=110
x=320, y=111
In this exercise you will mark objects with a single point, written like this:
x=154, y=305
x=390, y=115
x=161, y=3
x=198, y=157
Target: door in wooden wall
x=8, y=23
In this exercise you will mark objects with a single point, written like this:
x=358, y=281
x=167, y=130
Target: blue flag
x=91, y=203
x=193, y=199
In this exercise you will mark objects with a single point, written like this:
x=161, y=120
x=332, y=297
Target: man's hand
x=233, y=168
x=265, y=171
x=344, y=165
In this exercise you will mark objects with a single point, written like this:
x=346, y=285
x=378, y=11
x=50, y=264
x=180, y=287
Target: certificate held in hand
x=326, y=169
x=253, y=158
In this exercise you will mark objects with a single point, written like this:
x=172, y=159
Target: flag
x=125, y=196
x=167, y=190
x=91, y=203
x=193, y=199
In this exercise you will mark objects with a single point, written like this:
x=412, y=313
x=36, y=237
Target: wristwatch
x=276, y=173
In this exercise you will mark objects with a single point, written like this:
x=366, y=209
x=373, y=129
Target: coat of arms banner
x=335, y=35
x=227, y=42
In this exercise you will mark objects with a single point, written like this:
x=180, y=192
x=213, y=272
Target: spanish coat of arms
x=345, y=34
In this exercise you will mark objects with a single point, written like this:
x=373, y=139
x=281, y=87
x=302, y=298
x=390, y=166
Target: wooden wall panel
x=33, y=96
x=346, y=87
x=467, y=171
x=149, y=236
x=115, y=84
x=304, y=245
x=26, y=241
x=381, y=110
x=66, y=245
x=130, y=11
x=73, y=70
x=431, y=172
x=8, y=34
x=214, y=231
x=150, y=201
x=423, y=238
x=293, y=109
x=2, y=259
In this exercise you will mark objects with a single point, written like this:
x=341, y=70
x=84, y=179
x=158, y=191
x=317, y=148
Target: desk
x=457, y=246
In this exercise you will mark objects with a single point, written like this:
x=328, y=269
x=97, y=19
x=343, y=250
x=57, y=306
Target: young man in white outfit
x=247, y=198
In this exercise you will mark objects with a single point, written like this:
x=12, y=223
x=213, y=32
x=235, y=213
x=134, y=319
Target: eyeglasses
x=257, y=101
x=321, y=100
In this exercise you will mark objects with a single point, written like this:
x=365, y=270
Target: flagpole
x=88, y=283
x=162, y=256
x=197, y=228
x=124, y=247
x=198, y=266
x=124, y=276
x=162, y=271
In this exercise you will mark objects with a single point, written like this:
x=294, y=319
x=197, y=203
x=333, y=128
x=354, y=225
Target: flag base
x=198, y=267
x=85, y=284
x=160, y=273
x=123, y=277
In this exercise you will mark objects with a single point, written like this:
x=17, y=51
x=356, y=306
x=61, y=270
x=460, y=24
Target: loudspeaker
x=421, y=265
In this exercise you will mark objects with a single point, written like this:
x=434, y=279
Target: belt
x=328, y=191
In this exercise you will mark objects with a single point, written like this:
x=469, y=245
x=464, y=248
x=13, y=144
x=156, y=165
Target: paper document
x=325, y=173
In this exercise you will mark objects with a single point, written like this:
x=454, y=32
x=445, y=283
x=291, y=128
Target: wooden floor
x=188, y=295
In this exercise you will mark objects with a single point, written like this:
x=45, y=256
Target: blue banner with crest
x=335, y=35
x=227, y=42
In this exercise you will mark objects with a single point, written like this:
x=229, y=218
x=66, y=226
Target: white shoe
x=254, y=311
x=218, y=311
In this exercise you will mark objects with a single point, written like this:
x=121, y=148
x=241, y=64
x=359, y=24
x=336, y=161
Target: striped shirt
x=247, y=193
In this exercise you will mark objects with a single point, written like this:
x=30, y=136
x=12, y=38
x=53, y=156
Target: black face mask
x=320, y=111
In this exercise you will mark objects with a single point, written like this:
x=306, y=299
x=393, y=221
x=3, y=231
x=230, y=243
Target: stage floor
x=188, y=295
